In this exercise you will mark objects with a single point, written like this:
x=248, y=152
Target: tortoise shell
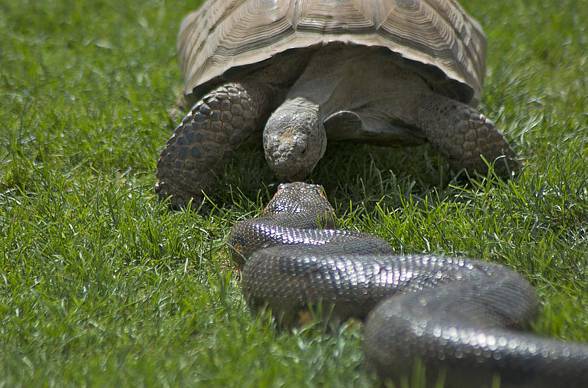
x=445, y=44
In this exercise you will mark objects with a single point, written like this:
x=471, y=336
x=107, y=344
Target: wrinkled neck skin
x=294, y=139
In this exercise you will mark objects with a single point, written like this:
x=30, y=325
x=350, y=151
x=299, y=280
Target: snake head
x=299, y=198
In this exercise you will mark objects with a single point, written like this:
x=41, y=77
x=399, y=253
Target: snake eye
x=321, y=191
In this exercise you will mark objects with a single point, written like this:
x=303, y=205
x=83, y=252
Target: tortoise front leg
x=201, y=144
x=464, y=135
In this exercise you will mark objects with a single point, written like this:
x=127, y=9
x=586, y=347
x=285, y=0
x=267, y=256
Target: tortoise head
x=294, y=139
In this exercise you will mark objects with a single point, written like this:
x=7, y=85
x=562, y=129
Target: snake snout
x=299, y=191
x=301, y=187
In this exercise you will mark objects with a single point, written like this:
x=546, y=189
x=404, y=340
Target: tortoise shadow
x=350, y=173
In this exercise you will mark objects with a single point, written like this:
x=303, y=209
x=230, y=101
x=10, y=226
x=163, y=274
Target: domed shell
x=438, y=36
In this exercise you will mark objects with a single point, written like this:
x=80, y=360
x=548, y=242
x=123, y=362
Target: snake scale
x=462, y=318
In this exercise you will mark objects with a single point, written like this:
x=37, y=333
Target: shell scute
x=232, y=34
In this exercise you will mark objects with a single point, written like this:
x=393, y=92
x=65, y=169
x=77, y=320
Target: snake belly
x=463, y=319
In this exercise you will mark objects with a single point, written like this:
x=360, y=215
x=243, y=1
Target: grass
x=101, y=285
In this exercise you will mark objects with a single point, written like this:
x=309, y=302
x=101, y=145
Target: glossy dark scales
x=461, y=316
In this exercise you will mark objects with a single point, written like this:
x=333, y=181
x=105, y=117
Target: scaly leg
x=463, y=135
x=202, y=143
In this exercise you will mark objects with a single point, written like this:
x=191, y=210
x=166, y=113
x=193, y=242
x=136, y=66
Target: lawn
x=101, y=285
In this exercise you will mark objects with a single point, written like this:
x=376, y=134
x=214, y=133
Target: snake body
x=461, y=318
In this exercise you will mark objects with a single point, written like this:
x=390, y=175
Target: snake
x=465, y=320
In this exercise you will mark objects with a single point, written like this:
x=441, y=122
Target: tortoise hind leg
x=201, y=144
x=464, y=135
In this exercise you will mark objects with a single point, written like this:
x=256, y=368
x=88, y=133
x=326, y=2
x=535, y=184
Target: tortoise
x=386, y=72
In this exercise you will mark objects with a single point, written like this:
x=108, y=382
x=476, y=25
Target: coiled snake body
x=459, y=317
